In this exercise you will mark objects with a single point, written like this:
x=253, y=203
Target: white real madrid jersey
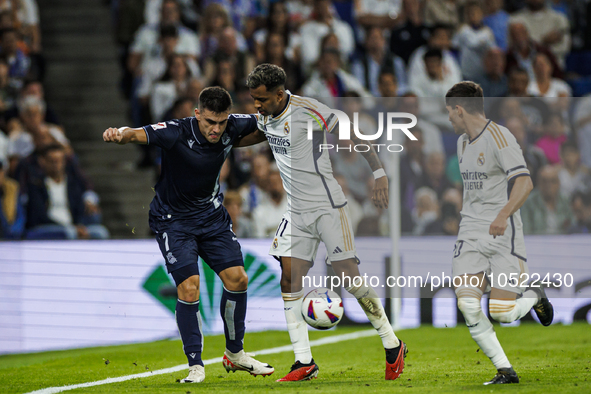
x=305, y=170
x=488, y=165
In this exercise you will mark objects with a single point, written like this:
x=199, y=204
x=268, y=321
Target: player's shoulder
x=174, y=124
x=499, y=136
x=303, y=103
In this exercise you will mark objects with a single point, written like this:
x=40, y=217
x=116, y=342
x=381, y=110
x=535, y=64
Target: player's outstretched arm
x=125, y=135
x=521, y=188
x=380, y=188
x=250, y=139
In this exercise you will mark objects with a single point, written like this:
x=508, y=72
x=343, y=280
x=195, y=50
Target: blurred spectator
x=412, y=33
x=572, y=175
x=432, y=137
x=277, y=23
x=436, y=81
x=18, y=62
x=228, y=51
x=426, y=214
x=183, y=107
x=377, y=13
x=581, y=206
x=8, y=93
x=241, y=226
x=268, y=213
x=254, y=192
x=189, y=16
x=473, y=39
x=582, y=122
x=275, y=53
x=32, y=87
x=173, y=84
x=299, y=11
x=497, y=19
x=215, y=20
x=546, y=26
x=546, y=211
x=442, y=12
x=387, y=84
x=353, y=167
x=313, y=31
x=523, y=50
x=518, y=82
x=494, y=81
x=4, y=148
x=375, y=57
x=12, y=211
x=434, y=174
x=330, y=80
x=451, y=206
x=243, y=13
x=544, y=85
x=33, y=126
x=147, y=38
x=554, y=137
x=534, y=156
x=56, y=208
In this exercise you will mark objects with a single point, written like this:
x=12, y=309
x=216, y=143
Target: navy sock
x=233, y=311
x=188, y=321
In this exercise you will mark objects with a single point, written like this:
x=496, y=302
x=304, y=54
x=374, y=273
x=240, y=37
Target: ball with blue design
x=322, y=308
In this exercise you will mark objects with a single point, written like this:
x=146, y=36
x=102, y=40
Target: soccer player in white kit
x=317, y=211
x=490, y=250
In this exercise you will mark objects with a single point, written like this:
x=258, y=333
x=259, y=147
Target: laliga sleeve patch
x=157, y=126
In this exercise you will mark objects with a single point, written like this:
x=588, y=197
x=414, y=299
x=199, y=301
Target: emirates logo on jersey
x=286, y=128
x=480, y=160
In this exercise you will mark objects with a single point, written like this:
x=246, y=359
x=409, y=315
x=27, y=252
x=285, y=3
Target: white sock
x=372, y=306
x=296, y=326
x=482, y=331
x=507, y=311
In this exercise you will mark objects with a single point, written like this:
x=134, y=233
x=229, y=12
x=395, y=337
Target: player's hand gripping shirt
x=489, y=164
x=306, y=171
x=189, y=179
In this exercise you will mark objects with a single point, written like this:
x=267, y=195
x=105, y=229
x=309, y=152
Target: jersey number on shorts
x=165, y=237
x=458, y=248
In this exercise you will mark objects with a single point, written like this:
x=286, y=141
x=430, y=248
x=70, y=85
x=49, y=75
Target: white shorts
x=497, y=260
x=299, y=234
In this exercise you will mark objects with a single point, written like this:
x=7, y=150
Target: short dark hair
x=433, y=52
x=466, y=94
x=269, y=75
x=44, y=151
x=387, y=70
x=216, y=99
x=168, y=30
x=570, y=144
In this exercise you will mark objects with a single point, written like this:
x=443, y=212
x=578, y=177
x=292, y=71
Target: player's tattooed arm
x=125, y=135
x=519, y=193
x=250, y=139
x=380, y=188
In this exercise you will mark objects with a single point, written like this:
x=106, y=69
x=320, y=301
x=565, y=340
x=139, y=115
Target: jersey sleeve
x=242, y=125
x=328, y=120
x=509, y=154
x=163, y=134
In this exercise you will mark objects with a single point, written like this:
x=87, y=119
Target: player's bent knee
x=188, y=290
x=470, y=308
x=503, y=311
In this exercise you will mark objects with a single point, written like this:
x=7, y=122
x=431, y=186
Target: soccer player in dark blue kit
x=189, y=221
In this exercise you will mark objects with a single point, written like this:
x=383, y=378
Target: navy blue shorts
x=183, y=240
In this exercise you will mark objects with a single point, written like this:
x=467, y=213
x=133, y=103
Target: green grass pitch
x=555, y=359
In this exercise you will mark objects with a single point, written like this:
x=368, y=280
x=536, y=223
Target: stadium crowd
x=532, y=56
x=43, y=191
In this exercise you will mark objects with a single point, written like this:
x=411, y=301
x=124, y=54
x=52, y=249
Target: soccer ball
x=322, y=308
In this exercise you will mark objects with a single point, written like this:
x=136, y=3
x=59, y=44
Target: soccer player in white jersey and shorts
x=489, y=254
x=317, y=211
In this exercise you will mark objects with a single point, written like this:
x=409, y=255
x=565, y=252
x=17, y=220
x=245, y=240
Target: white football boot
x=196, y=374
x=242, y=361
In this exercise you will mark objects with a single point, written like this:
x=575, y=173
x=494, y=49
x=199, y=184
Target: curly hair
x=270, y=75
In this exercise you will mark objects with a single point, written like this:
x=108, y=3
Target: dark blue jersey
x=188, y=182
